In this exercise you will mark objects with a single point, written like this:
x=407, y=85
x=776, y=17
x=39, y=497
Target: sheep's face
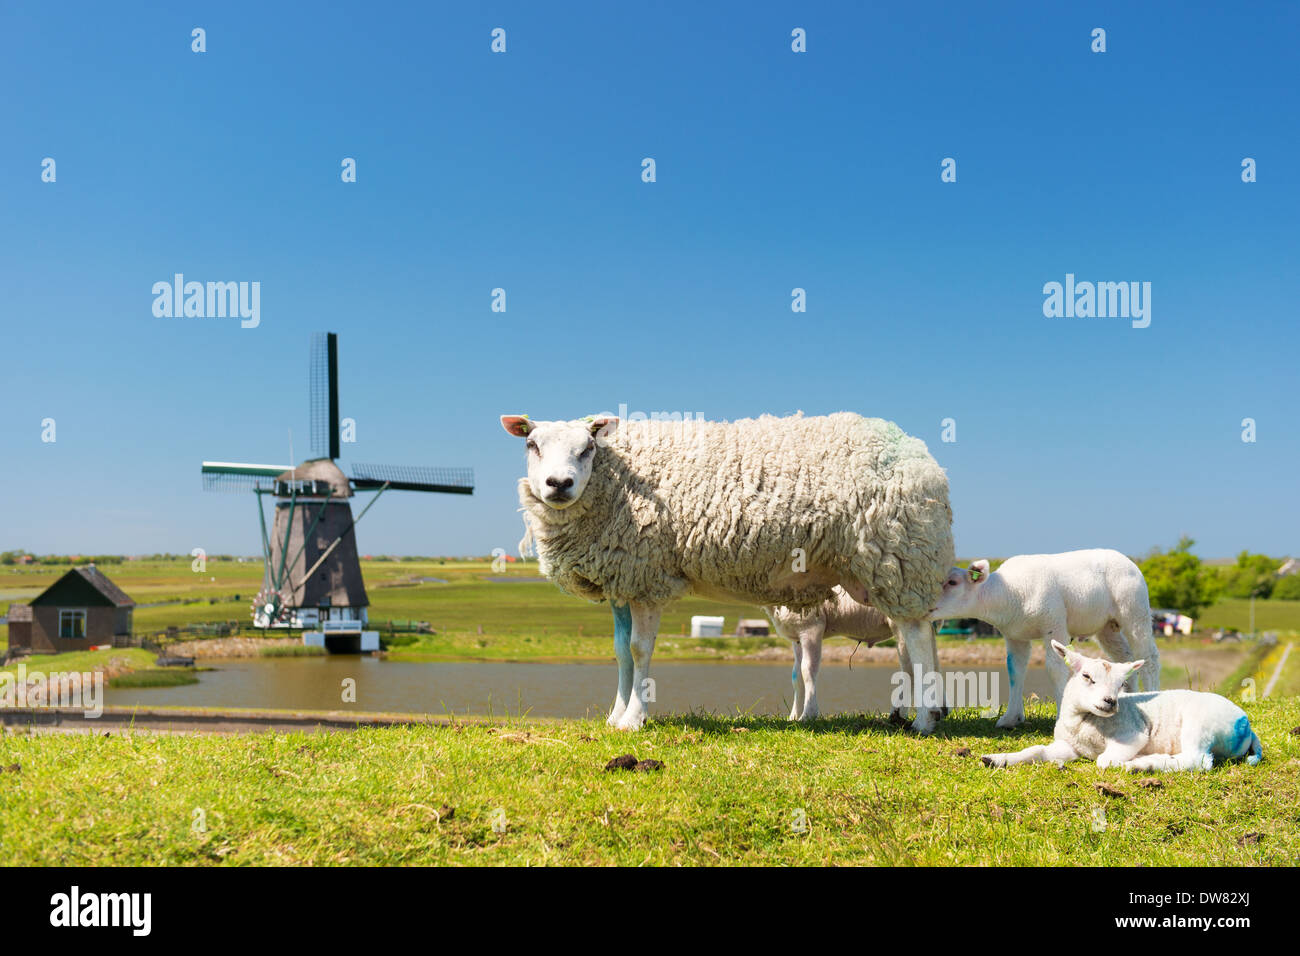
x=1094, y=685
x=961, y=591
x=559, y=454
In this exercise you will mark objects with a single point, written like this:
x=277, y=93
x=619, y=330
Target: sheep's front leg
x=1017, y=666
x=645, y=627
x=1058, y=752
x=898, y=715
x=1119, y=753
x=796, y=679
x=918, y=636
x=811, y=640
x=623, y=655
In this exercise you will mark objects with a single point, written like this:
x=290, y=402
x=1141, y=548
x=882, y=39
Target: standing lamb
x=1168, y=730
x=767, y=511
x=1057, y=596
x=839, y=616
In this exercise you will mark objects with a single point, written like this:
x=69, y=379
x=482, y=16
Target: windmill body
x=312, y=575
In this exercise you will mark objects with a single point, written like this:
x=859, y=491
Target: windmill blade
x=453, y=481
x=323, y=375
x=234, y=476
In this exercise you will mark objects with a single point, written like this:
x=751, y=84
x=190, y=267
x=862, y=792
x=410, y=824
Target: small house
x=81, y=610
x=753, y=627
x=706, y=625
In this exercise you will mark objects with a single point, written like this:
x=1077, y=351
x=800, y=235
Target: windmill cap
x=320, y=470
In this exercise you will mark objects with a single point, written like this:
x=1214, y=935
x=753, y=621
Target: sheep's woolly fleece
x=713, y=507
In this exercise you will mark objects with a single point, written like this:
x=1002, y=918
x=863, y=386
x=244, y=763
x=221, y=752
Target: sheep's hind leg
x=1057, y=669
x=623, y=655
x=645, y=627
x=1187, y=760
x=1117, y=648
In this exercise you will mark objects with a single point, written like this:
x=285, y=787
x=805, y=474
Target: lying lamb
x=767, y=511
x=1167, y=730
x=1057, y=596
x=840, y=616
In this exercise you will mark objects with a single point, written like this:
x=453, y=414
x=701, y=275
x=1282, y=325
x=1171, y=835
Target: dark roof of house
x=92, y=576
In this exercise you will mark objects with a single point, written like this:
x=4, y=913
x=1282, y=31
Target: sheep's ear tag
x=975, y=574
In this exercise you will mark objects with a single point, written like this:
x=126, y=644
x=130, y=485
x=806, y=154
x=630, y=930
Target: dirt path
x=174, y=721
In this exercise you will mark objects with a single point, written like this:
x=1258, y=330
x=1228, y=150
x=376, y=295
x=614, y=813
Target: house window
x=72, y=624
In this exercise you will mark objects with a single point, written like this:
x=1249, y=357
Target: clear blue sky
x=775, y=170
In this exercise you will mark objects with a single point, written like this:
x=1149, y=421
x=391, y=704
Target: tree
x=1287, y=588
x=1177, y=579
x=1252, y=574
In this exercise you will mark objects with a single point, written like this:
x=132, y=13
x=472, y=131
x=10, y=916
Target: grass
x=156, y=677
x=291, y=650
x=1234, y=613
x=747, y=791
x=114, y=659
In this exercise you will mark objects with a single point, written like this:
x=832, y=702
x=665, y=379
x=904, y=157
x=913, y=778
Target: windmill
x=312, y=576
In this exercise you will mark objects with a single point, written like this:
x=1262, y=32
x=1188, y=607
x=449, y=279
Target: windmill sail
x=235, y=476
x=455, y=481
x=323, y=375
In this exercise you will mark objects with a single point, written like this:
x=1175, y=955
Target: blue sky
x=775, y=170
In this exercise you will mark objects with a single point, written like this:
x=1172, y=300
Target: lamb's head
x=961, y=592
x=1094, y=685
x=560, y=454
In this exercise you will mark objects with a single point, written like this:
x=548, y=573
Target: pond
x=538, y=689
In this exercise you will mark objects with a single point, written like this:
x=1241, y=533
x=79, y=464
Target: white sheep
x=767, y=511
x=839, y=616
x=1165, y=730
x=1057, y=596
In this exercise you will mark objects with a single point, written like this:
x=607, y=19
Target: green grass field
x=474, y=616
x=848, y=790
x=1235, y=613
x=739, y=791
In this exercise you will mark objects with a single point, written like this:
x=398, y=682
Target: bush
x=1253, y=574
x=1287, y=588
x=1176, y=579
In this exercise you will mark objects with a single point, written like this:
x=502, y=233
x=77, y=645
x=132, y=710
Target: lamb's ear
x=602, y=426
x=517, y=425
x=978, y=571
x=1132, y=666
x=1070, y=657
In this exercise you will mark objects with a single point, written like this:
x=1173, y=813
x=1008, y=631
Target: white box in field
x=705, y=625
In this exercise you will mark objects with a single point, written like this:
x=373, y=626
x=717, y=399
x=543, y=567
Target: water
x=541, y=689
